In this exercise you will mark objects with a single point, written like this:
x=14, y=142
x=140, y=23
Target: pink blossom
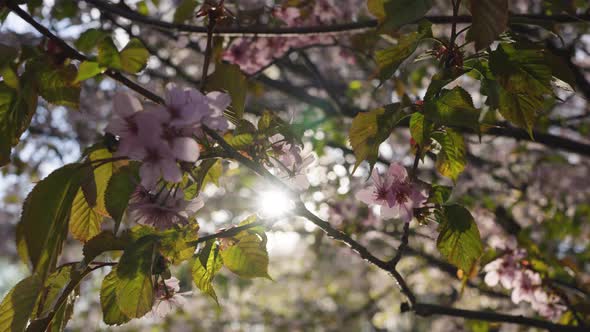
x=167, y=298
x=291, y=162
x=504, y=270
x=525, y=285
x=547, y=304
x=163, y=210
x=394, y=193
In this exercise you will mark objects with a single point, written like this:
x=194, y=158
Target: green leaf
x=90, y=39
x=389, y=59
x=108, y=56
x=439, y=194
x=392, y=14
x=240, y=141
x=247, y=256
x=453, y=108
x=370, y=129
x=135, y=289
x=16, y=111
x=54, y=285
x=103, y=170
x=185, y=10
x=490, y=19
x=84, y=221
x=111, y=312
x=459, y=241
x=134, y=56
x=450, y=162
x=18, y=304
x=44, y=222
x=118, y=192
x=206, y=265
x=230, y=79
x=7, y=55
x=57, y=84
x=440, y=80
x=88, y=69
x=520, y=108
x=420, y=128
x=103, y=242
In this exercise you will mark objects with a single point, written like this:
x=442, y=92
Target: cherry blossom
x=163, y=210
x=504, y=270
x=291, y=162
x=167, y=298
x=396, y=195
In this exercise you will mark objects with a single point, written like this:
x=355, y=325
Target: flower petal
x=185, y=149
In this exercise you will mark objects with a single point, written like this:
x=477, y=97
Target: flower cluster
x=526, y=284
x=253, y=54
x=167, y=297
x=395, y=193
x=162, y=210
x=160, y=136
x=291, y=162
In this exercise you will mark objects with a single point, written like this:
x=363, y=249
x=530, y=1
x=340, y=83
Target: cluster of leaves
x=516, y=76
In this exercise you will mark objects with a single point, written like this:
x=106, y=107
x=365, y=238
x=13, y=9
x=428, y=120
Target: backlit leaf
x=453, y=108
x=84, y=221
x=450, y=162
x=394, y=13
x=18, y=304
x=247, y=255
x=111, y=313
x=228, y=78
x=108, y=56
x=88, y=69
x=185, y=10
x=206, y=265
x=459, y=241
x=134, y=56
x=118, y=192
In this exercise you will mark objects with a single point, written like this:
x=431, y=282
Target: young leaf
x=453, y=108
x=111, y=313
x=118, y=192
x=89, y=39
x=17, y=306
x=370, y=129
x=420, y=128
x=247, y=256
x=134, y=56
x=206, y=265
x=450, y=162
x=490, y=19
x=230, y=79
x=53, y=288
x=520, y=108
x=84, y=221
x=391, y=58
x=103, y=170
x=135, y=289
x=459, y=241
x=88, y=69
x=44, y=222
x=16, y=111
x=108, y=56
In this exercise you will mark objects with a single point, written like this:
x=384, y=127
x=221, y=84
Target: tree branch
x=424, y=309
x=266, y=31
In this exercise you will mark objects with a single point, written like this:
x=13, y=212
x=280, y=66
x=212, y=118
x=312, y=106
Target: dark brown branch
x=424, y=309
x=74, y=54
x=229, y=232
x=266, y=31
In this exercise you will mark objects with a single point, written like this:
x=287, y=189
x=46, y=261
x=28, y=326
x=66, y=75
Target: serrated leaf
x=108, y=55
x=84, y=221
x=16, y=111
x=459, y=241
x=490, y=19
x=111, y=313
x=453, y=108
x=18, y=304
x=134, y=56
x=240, y=141
x=53, y=288
x=44, y=221
x=229, y=78
x=205, y=266
x=56, y=84
x=420, y=128
x=370, y=129
x=247, y=255
x=185, y=10
x=439, y=194
x=208, y=171
x=103, y=170
x=88, y=69
x=120, y=187
x=520, y=108
x=451, y=161
x=135, y=289
x=89, y=39
x=391, y=58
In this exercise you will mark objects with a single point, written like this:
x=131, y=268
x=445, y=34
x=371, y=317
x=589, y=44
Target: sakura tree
x=295, y=165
